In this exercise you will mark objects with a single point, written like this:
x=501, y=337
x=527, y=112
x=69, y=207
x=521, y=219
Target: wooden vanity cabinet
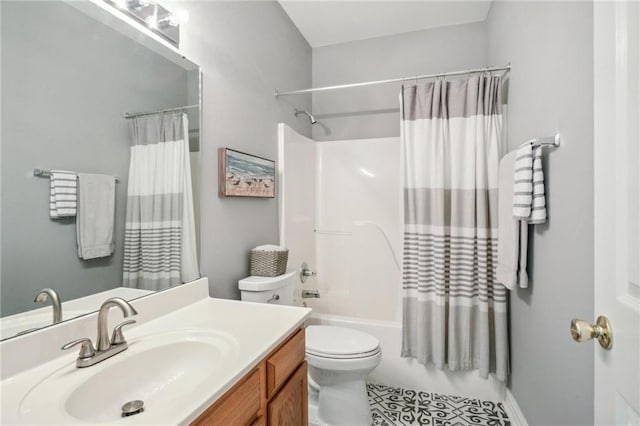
x=272, y=394
x=289, y=405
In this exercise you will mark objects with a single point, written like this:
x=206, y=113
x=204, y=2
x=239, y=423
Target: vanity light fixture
x=154, y=16
x=152, y=21
x=180, y=16
x=172, y=19
x=139, y=4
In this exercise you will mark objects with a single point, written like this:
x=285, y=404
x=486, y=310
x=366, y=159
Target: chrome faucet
x=306, y=294
x=103, y=332
x=49, y=293
x=107, y=348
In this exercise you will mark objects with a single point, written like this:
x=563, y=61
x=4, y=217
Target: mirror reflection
x=113, y=208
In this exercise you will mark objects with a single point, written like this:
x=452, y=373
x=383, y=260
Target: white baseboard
x=513, y=410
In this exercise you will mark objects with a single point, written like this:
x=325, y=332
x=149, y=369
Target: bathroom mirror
x=70, y=71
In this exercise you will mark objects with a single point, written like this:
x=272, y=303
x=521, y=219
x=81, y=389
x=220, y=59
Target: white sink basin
x=160, y=369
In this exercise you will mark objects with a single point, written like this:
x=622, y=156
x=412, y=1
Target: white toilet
x=339, y=358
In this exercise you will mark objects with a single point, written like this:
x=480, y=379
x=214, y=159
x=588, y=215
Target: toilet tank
x=277, y=290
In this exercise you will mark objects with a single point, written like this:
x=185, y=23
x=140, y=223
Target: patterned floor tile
x=405, y=407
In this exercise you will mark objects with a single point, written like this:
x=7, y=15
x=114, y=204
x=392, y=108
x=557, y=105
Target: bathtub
x=407, y=373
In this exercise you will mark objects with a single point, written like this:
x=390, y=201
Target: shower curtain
x=454, y=313
x=160, y=239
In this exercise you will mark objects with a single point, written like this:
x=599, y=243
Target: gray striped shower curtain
x=160, y=239
x=454, y=313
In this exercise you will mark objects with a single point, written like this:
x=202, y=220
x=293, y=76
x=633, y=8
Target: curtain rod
x=138, y=114
x=393, y=80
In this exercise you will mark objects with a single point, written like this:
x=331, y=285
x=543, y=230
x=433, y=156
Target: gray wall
x=551, y=88
x=374, y=111
x=66, y=80
x=246, y=50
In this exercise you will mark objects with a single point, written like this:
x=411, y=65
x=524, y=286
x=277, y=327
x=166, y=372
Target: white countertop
x=254, y=330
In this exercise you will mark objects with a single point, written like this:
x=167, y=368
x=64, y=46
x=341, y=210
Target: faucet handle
x=117, y=337
x=86, y=350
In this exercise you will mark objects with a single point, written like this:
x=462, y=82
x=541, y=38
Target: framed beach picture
x=245, y=175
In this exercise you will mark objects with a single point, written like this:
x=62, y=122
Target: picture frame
x=245, y=175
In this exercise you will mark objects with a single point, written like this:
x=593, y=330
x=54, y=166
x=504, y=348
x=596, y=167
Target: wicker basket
x=269, y=263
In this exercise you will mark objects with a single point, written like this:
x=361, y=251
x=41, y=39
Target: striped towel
x=63, y=197
x=528, y=186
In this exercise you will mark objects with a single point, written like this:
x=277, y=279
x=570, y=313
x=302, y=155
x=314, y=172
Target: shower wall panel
x=297, y=200
x=358, y=228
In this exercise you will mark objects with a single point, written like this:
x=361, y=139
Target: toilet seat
x=343, y=356
x=332, y=342
x=344, y=364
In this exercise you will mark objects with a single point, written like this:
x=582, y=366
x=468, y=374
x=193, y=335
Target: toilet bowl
x=339, y=359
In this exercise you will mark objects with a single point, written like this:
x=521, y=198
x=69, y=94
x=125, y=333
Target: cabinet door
x=239, y=406
x=289, y=406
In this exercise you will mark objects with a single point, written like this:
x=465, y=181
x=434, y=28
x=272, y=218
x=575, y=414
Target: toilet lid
x=338, y=342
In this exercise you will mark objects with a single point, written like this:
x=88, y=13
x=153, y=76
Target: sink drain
x=132, y=408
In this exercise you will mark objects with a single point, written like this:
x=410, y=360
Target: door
x=617, y=217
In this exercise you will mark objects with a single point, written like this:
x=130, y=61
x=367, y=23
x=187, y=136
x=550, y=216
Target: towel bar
x=47, y=173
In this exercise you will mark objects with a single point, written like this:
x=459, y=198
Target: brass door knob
x=582, y=331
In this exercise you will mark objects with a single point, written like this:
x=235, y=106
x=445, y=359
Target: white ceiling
x=329, y=22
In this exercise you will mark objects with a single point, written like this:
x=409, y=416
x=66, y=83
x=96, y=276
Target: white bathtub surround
x=343, y=218
x=454, y=314
x=358, y=280
x=297, y=156
x=160, y=242
x=243, y=333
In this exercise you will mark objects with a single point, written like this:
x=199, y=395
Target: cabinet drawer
x=284, y=361
x=239, y=406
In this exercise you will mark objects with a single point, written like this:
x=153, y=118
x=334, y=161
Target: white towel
x=512, y=233
x=270, y=247
x=528, y=185
x=96, y=211
x=63, y=194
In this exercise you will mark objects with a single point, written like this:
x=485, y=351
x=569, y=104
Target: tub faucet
x=49, y=293
x=306, y=294
x=106, y=347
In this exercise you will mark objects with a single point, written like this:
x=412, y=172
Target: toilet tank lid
x=255, y=283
